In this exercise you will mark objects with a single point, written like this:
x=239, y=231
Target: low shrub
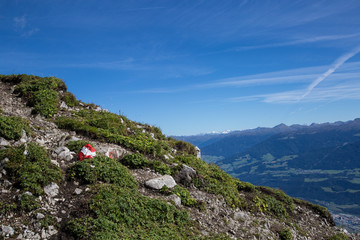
x=279, y=195
x=269, y=205
x=76, y=146
x=45, y=102
x=245, y=187
x=322, y=211
x=28, y=203
x=118, y=213
x=70, y=99
x=102, y=169
x=134, y=161
x=212, y=179
x=40, y=93
x=160, y=167
x=30, y=167
x=285, y=234
x=185, y=196
x=338, y=236
x=7, y=207
x=11, y=127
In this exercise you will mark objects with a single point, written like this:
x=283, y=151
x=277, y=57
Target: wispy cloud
x=348, y=91
x=306, y=40
x=348, y=71
x=22, y=27
x=338, y=63
x=20, y=23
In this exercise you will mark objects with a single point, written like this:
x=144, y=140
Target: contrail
x=340, y=61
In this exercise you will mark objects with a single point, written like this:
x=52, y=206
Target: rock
x=198, y=152
x=51, y=190
x=40, y=216
x=176, y=199
x=63, y=105
x=78, y=191
x=185, y=175
x=240, y=216
x=7, y=231
x=55, y=163
x=61, y=149
x=40, y=141
x=23, y=138
x=6, y=183
x=3, y=162
x=158, y=183
x=67, y=156
x=28, y=193
x=73, y=138
x=4, y=142
x=30, y=235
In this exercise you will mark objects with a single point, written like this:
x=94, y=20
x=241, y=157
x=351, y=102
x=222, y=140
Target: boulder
x=185, y=175
x=159, y=182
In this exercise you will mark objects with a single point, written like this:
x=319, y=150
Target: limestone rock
x=185, y=175
x=4, y=142
x=176, y=199
x=51, y=190
x=78, y=191
x=63, y=105
x=198, y=152
x=7, y=231
x=158, y=183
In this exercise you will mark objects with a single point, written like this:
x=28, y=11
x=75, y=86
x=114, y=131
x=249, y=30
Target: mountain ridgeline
x=319, y=163
x=140, y=185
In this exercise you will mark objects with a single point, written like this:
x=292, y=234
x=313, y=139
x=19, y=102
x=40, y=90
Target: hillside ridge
x=47, y=193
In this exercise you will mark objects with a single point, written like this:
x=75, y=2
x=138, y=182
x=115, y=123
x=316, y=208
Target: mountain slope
x=319, y=163
x=47, y=193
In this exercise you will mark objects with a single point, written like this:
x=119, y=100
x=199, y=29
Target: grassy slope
x=105, y=217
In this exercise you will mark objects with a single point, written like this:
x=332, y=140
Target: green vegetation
x=40, y=93
x=338, y=236
x=102, y=169
x=136, y=160
x=122, y=213
x=183, y=193
x=30, y=167
x=76, y=146
x=11, y=128
x=285, y=234
x=322, y=211
x=28, y=203
x=112, y=128
x=70, y=99
x=7, y=207
x=214, y=180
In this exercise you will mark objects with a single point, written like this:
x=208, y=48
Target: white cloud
x=338, y=63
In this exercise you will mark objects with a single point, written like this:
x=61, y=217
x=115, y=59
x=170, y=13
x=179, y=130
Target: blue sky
x=193, y=67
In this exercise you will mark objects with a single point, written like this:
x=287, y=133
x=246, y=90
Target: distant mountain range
x=319, y=162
